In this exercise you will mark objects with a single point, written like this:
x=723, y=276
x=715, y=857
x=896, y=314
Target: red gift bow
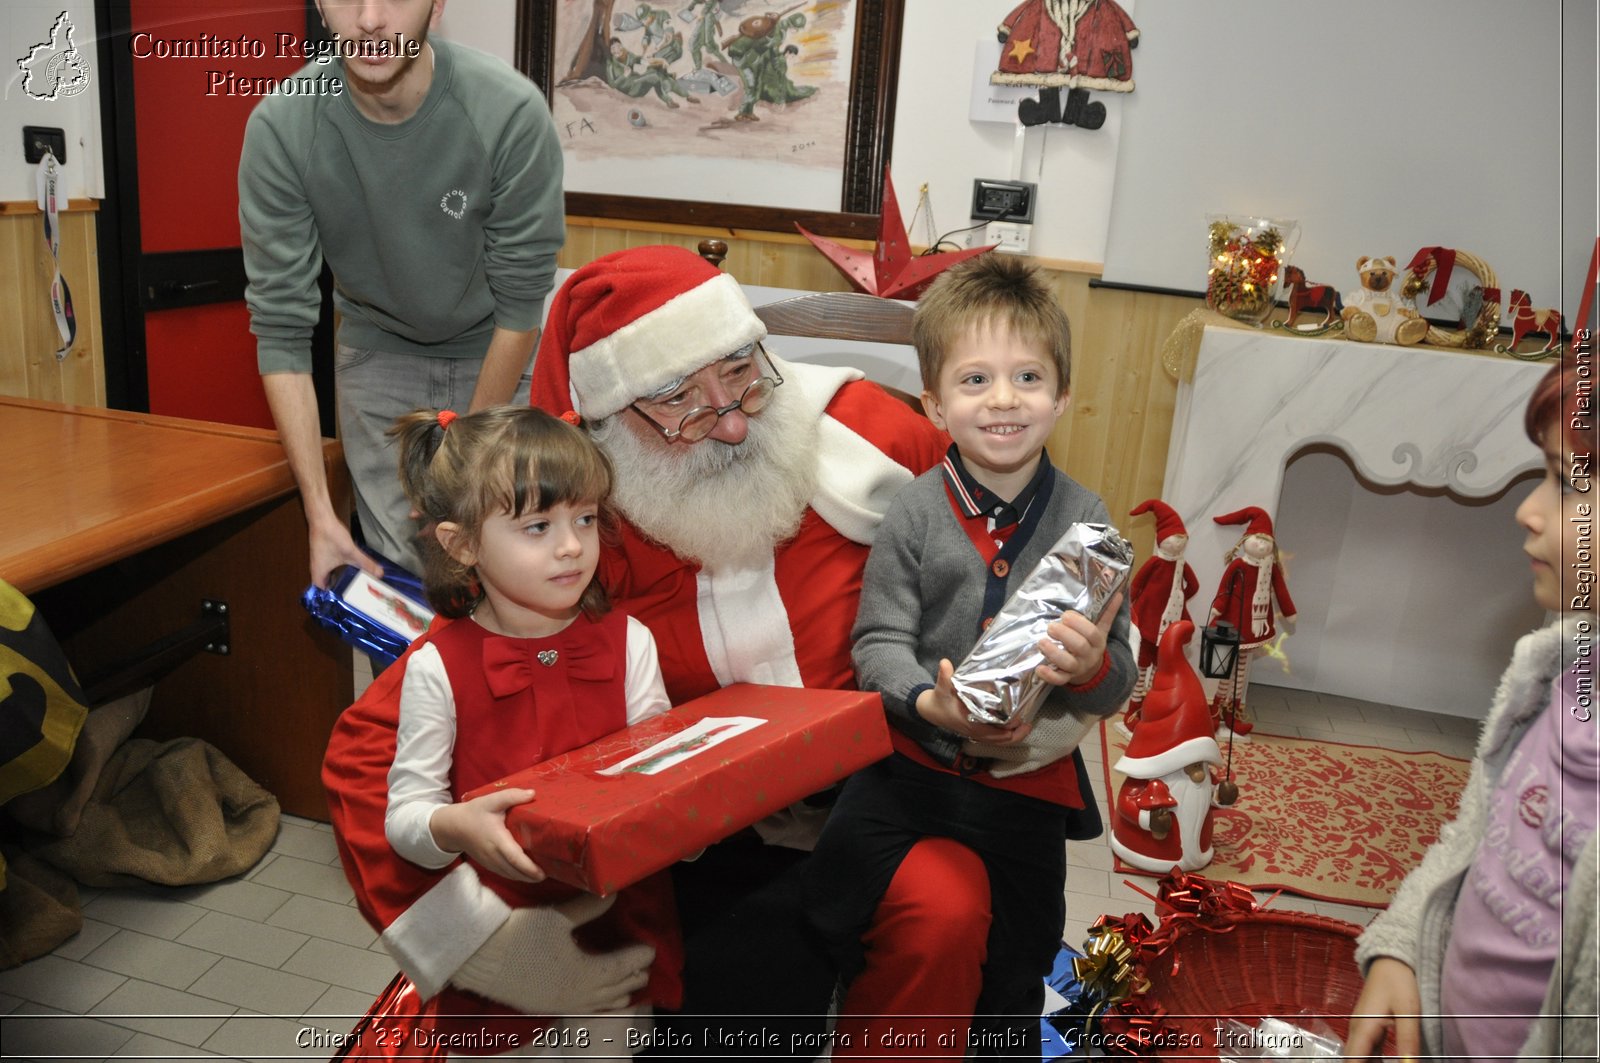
x=1137, y=1027
x=1187, y=899
x=1444, y=262
x=511, y=666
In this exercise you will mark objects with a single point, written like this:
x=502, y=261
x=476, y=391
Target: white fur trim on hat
x=1179, y=756
x=682, y=335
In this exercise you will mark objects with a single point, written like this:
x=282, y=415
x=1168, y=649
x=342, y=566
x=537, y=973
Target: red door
x=190, y=115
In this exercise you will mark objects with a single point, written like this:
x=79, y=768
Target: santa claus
x=1163, y=809
x=1160, y=596
x=750, y=489
x=1250, y=584
x=1074, y=44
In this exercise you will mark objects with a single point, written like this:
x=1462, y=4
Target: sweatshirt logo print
x=454, y=203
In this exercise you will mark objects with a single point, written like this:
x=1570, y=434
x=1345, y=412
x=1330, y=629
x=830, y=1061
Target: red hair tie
x=446, y=418
x=571, y=417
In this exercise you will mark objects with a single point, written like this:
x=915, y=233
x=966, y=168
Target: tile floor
x=255, y=967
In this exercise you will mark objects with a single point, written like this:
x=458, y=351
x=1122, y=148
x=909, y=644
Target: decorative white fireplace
x=1421, y=613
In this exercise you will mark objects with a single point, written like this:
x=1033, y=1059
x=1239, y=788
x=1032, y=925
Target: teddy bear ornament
x=1375, y=313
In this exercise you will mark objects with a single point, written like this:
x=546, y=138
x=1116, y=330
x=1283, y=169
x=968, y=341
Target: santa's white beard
x=1194, y=804
x=719, y=504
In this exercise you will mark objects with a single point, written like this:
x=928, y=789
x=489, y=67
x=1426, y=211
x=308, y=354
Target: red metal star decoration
x=889, y=270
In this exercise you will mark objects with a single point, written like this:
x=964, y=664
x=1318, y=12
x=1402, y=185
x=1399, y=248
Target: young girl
x=530, y=666
x=1491, y=941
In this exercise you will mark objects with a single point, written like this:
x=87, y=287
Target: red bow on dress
x=512, y=665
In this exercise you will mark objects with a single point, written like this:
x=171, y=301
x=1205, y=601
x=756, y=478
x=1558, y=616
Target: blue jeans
x=374, y=388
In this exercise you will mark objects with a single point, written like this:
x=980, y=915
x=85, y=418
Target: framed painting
x=751, y=114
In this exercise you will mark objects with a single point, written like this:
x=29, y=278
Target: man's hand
x=533, y=964
x=294, y=410
x=478, y=829
x=1075, y=646
x=331, y=547
x=1389, y=998
x=943, y=708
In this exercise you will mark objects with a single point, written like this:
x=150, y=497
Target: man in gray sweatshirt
x=428, y=175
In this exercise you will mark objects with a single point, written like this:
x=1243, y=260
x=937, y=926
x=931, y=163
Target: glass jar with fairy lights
x=1247, y=259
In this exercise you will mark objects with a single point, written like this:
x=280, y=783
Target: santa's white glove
x=533, y=964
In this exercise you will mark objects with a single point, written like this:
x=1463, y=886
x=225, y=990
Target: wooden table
x=120, y=525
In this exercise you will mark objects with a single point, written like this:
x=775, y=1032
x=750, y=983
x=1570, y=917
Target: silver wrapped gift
x=1083, y=571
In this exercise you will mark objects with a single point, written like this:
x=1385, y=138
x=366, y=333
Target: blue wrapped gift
x=379, y=617
x=1062, y=1024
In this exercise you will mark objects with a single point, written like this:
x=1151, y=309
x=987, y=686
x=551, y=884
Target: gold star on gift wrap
x=1021, y=49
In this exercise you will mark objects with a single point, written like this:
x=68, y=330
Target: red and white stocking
x=1235, y=685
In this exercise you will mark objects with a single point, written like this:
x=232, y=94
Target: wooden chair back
x=848, y=316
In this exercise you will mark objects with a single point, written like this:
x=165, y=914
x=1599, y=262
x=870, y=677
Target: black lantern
x=1219, y=650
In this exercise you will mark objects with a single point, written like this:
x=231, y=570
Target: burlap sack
x=171, y=813
x=38, y=910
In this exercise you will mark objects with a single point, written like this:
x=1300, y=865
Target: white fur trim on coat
x=682, y=335
x=442, y=929
x=855, y=480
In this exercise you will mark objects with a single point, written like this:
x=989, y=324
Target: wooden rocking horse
x=1303, y=296
x=1526, y=320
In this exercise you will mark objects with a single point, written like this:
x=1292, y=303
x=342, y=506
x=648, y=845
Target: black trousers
x=886, y=809
x=756, y=978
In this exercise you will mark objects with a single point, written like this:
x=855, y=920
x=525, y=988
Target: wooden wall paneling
x=1130, y=421
x=28, y=339
x=13, y=330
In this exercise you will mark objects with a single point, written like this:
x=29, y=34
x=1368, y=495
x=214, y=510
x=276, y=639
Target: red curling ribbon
x=571, y=417
x=447, y=418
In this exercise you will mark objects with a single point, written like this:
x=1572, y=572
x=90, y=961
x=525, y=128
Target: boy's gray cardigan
x=922, y=599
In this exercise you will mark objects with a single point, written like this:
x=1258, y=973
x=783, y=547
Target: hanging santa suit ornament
x=1160, y=596
x=1078, y=45
x=1250, y=584
x=1163, y=811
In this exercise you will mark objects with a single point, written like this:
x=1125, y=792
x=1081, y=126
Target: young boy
x=995, y=353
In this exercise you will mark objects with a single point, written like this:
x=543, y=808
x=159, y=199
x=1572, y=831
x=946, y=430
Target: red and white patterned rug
x=1328, y=821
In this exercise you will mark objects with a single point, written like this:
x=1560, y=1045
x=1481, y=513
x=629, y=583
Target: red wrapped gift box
x=602, y=832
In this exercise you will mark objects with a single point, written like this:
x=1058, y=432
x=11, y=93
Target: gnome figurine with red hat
x=1250, y=583
x=1163, y=811
x=1160, y=596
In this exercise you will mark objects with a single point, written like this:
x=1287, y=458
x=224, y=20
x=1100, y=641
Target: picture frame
x=867, y=136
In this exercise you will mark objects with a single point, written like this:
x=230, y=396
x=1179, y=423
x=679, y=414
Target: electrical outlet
x=1011, y=236
x=35, y=139
x=1002, y=200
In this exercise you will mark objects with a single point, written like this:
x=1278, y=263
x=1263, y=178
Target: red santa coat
x=1095, y=52
x=1237, y=593
x=789, y=624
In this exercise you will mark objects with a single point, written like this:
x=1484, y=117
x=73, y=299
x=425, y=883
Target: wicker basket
x=1289, y=965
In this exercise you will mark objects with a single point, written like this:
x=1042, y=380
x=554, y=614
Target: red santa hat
x=1175, y=727
x=1256, y=517
x=633, y=322
x=1168, y=523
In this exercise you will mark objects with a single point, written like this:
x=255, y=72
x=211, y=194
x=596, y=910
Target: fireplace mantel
x=1433, y=418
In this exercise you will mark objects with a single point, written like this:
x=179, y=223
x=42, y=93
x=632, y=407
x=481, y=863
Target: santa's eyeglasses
x=701, y=421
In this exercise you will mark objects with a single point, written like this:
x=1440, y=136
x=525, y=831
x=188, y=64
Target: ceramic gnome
x=1250, y=584
x=1163, y=810
x=1160, y=595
